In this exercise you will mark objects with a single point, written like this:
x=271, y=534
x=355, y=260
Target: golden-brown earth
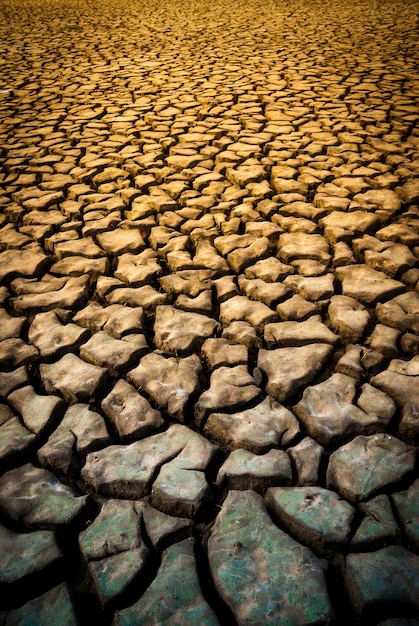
x=209, y=312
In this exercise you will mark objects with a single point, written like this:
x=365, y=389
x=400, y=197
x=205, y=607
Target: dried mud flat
x=209, y=313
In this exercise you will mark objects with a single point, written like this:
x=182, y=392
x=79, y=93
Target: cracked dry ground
x=209, y=318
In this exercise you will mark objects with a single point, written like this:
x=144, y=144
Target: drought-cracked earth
x=209, y=312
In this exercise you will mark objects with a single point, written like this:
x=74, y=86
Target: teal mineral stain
x=259, y=570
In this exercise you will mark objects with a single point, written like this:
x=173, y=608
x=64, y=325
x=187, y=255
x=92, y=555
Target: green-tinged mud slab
x=174, y=596
x=260, y=571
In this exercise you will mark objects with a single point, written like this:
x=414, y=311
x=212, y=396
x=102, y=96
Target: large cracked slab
x=258, y=290
x=401, y=312
x=368, y=463
x=330, y=415
x=36, y=499
x=81, y=431
x=116, y=554
x=9, y=381
x=116, y=355
x=130, y=413
x=140, y=269
x=315, y=516
x=407, y=506
x=78, y=247
x=378, y=579
x=312, y=288
x=130, y=471
x=25, y=556
x=179, y=332
x=303, y=246
x=169, y=381
x=54, y=606
x=218, y=352
x=39, y=413
x=80, y=265
x=15, y=352
x=401, y=382
x=378, y=525
x=52, y=337
x=367, y=285
x=306, y=455
x=255, y=429
x=231, y=388
x=174, y=596
x=241, y=308
x=16, y=441
x=15, y=263
x=260, y=572
x=73, y=294
x=245, y=470
x=10, y=327
x=289, y=369
x=75, y=379
x=180, y=489
x=282, y=334
x=348, y=317
x=120, y=241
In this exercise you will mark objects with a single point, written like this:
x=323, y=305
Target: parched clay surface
x=209, y=313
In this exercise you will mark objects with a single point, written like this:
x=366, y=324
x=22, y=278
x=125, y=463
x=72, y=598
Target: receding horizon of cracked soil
x=209, y=313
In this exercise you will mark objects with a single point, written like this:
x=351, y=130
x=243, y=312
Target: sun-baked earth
x=209, y=313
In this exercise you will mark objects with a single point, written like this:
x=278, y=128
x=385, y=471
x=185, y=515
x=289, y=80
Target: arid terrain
x=209, y=313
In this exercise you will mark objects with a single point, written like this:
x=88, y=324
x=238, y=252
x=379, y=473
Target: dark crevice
x=79, y=579
x=324, y=462
x=29, y=587
x=209, y=590
x=344, y=615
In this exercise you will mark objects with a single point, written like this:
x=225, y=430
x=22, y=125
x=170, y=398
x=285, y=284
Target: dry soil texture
x=209, y=312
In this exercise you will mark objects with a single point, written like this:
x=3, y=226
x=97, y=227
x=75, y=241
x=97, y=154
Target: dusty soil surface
x=209, y=312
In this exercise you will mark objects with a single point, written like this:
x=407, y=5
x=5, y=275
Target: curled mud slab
x=209, y=313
